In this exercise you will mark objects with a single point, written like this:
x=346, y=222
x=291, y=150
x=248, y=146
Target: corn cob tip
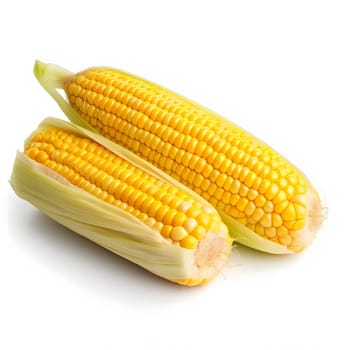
x=314, y=218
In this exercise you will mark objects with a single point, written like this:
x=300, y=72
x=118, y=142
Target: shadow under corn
x=83, y=262
x=90, y=266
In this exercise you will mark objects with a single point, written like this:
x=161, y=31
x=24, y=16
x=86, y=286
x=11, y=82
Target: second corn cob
x=107, y=194
x=267, y=203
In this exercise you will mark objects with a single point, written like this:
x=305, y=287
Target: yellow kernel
x=214, y=226
x=298, y=224
x=208, y=209
x=205, y=184
x=289, y=213
x=242, y=203
x=282, y=182
x=252, y=194
x=166, y=230
x=218, y=193
x=238, y=156
x=169, y=216
x=198, y=232
x=230, y=169
x=179, y=219
x=212, y=189
x=299, y=199
x=206, y=196
x=281, y=206
x=273, y=175
x=220, y=205
x=234, y=198
x=189, y=242
x=266, y=220
x=258, y=214
x=289, y=191
x=235, y=186
x=285, y=240
x=300, y=189
x=243, y=191
x=204, y=220
x=175, y=202
x=194, y=211
x=148, y=221
x=226, y=197
x=227, y=183
x=256, y=184
x=268, y=207
x=214, y=175
x=201, y=146
x=188, y=160
x=221, y=180
x=300, y=211
x=178, y=233
x=276, y=220
x=219, y=144
x=225, y=165
x=200, y=165
x=279, y=197
x=292, y=179
x=282, y=231
x=271, y=191
x=190, y=224
x=219, y=159
x=250, y=208
x=41, y=156
x=207, y=170
x=260, y=230
x=265, y=184
x=260, y=200
x=243, y=174
x=183, y=206
x=270, y=232
x=289, y=224
x=249, y=180
x=161, y=212
x=258, y=167
x=153, y=208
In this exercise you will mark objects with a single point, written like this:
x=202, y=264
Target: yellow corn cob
x=108, y=195
x=267, y=203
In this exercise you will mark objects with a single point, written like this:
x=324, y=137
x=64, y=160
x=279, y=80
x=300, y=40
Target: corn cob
x=267, y=203
x=119, y=201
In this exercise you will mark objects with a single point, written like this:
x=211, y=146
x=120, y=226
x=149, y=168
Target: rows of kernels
x=217, y=160
x=98, y=171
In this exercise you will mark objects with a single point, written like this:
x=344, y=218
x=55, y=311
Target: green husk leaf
x=51, y=77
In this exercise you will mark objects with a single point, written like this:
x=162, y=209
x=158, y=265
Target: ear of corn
x=267, y=203
x=110, y=196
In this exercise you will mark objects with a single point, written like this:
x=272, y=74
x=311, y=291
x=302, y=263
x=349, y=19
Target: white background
x=280, y=69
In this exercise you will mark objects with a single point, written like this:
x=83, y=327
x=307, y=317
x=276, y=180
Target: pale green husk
x=101, y=222
x=51, y=77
